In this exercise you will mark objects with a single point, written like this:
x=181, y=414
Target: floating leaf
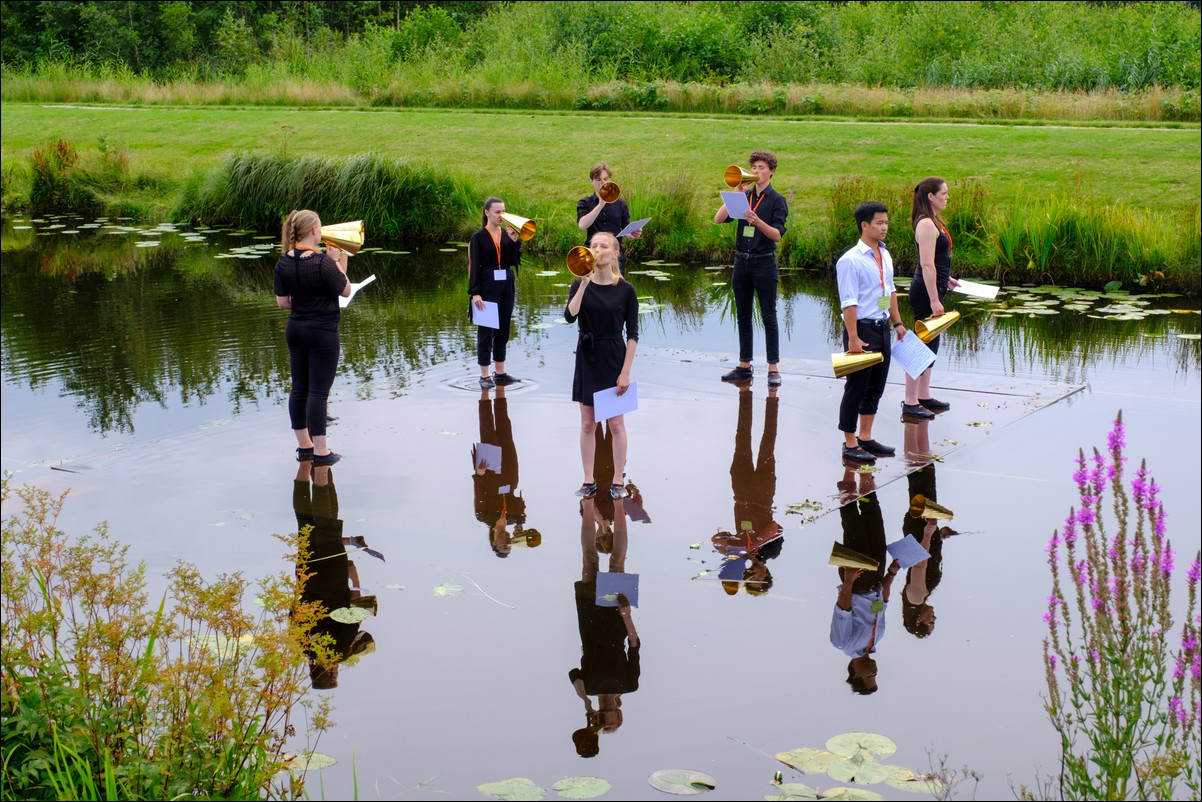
x=541, y=325
x=518, y=789
x=394, y=587
x=980, y=423
x=682, y=781
x=1111, y=286
x=858, y=769
x=449, y=590
x=548, y=273
x=1190, y=336
x=903, y=779
x=793, y=791
x=350, y=615
x=695, y=546
x=810, y=761
x=445, y=431
x=311, y=761
x=581, y=787
x=703, y=573
x=850, y=744
x=855, y=794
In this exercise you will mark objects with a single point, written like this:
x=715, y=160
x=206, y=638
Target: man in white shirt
x=869, y=302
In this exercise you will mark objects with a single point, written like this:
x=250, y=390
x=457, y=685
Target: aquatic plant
x=106, y=694
x=1125, y=704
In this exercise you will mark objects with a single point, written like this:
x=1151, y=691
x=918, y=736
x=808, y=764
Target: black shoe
x=738, y=374
x=858, y=454
x=774, y=378
x=873, y=447
x=587, y=490
x=504, y=378
x=487, y=383
x=304, y=454
x=326, y=459
x=618, y=491
x=916, y=411
x=934, y=404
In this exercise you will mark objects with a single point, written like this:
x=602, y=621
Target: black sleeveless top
x=943, y=263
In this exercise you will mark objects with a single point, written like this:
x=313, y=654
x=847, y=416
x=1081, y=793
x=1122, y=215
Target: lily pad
x=311, y=761
x=857, y=794
x=581, y=787
x=682, y=781
x=1190, y=336
x=903, y=779
x=793, y=791
x=548, y=273
x=810, y=761
x=1111, y=286
x=858, y=769
x=850, y=744
x=515, y=788
x=350, y=615
x=449, y=590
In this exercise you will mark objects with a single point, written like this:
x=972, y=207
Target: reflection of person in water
x=603, y=475
x=858, y=620
x=918, y=617
x=497, y=501
x=757, y=536
x=609, y=642
x=333, y=580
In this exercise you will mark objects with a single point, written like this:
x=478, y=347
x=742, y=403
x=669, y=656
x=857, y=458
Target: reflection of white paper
x=637, y=225
x=344, y=301
x=976, y=289
x=489, y=456
x=608, y=404
x=489, y=316
x=611, y=583
x=503, y=489
x=499, y=275
x=913, y=355
x=908, y=552
x=736, y=204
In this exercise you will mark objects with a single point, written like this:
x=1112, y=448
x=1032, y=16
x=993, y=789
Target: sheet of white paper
x=908, y=552
x=913, y=355
x=608, y=404
x=344, y=301
x=976, y=289
x=637, y=225
x=489, y=316
x=736, y=204
x=611, y=583
x=499, y=275
x=489, y=456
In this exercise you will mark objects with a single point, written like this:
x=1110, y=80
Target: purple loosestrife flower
x=1177, y=710
x=1052, y=662
x=1137, y=565
x=1080, y=571
x=1160, y=525
x=1053, y=543
x=1139, y=487
x=1194, y=571
x=1085, y=516
x=1070, y=528
x=1166, y=564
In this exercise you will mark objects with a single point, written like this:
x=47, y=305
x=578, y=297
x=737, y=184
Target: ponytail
x=296, y=227
x=921, y=206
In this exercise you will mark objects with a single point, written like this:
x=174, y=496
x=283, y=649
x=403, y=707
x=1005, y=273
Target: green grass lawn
x=549, y=155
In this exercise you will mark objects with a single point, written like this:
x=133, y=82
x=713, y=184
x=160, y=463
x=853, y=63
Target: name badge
x=882, y=302
x=877, y=605
x=499, y=275
x=748, y=231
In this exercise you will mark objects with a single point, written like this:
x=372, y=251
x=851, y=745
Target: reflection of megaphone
x=347, y=236
x=931, y=328
x=847, y=362
x=844, y=557
x=922, y=507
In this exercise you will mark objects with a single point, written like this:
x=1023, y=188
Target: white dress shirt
x=861, y=282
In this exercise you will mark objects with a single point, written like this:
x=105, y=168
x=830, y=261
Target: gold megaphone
x=844, y=557
x=847, y=362
x=923, y=507
x=581, y=261
x=932, y=327
x=347, y=236
x=736, y=175
x=522, y=226
x=609, y=192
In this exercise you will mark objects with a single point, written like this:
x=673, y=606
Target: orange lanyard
x=880, y=263
x=946, y=234
x=496, y=241
x=750, y=195
x=303, y=248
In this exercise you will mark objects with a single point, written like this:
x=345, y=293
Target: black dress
x=600, y=345
x=920, y=299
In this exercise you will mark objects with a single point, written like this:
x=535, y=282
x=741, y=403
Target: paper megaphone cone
x=846, y=362
x=932, y=327
x=347, y=236
x=923, y=507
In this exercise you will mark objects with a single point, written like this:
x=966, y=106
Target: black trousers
x=313, y=349
x=862, y=392
x=752, y=277
x=491, y=343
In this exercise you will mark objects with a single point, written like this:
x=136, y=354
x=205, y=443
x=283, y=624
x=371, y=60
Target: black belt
x=589, y=339
x=754, y=256
x=874, y=321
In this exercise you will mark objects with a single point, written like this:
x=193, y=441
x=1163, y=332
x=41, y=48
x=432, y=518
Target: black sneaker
x=934, y=404
x=917, y=411
x=487, y=383
x=774, y=378
x=326, y=459
x=505, y=378
x=873, y=447
x=858, y=454
x=738, y=374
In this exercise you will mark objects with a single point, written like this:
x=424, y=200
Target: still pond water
x=145, y=369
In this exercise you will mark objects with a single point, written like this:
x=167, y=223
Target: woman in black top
x=493, y=258
x=594, y=215
x=309, y=283
x=603, y=302
x=931, y=282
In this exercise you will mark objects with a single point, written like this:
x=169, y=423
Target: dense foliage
x=369, y=46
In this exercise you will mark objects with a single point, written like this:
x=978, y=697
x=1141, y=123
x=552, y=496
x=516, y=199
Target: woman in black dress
x=493, y=255
x=603, y=302
x=309, y=283
x=931, y=282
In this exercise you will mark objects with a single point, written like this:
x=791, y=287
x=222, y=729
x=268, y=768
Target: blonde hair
x=608, y=234
x=296, y=227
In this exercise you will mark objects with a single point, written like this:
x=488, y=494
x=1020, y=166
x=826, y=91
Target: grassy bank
x=1090, y=205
